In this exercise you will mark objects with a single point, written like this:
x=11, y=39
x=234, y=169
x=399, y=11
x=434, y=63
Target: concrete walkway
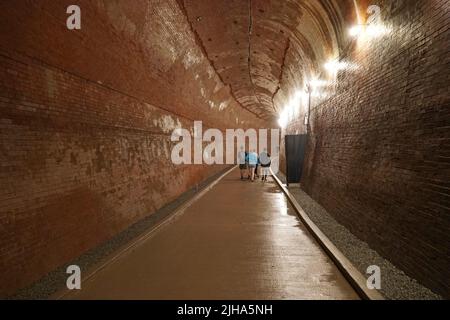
x=241, y=240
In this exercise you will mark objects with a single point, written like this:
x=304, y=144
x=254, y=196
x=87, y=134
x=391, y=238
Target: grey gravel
x=395, y=284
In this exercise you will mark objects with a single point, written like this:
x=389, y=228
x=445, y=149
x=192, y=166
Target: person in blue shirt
x=252, y=162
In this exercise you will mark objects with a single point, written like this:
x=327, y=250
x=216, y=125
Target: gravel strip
x=395, y=284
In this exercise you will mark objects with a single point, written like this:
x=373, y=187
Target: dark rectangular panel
x=295, y=146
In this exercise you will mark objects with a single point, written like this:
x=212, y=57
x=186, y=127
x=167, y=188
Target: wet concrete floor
x=241, y=240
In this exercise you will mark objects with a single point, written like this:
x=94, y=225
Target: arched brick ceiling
x=264, y=49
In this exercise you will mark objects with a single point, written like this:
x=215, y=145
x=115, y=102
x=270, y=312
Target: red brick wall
x=378, y=157
x=85, y=124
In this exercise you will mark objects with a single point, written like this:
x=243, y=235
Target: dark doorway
x=295, y=146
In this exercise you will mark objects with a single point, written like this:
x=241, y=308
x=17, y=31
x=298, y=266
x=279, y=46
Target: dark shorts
x=243, y=166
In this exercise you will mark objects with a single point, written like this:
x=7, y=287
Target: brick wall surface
x=85, y=124
x=378, y=157
x=86, y=118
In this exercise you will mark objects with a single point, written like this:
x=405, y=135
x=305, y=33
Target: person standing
x=256, y=169
x=243, y=162
x=265, y=161
x=252, y=162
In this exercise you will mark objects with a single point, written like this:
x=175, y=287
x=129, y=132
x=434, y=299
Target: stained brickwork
x=378, y=157
x=85, y=124
x=86, y=117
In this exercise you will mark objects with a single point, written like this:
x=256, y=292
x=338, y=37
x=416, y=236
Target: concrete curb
x=353, y=276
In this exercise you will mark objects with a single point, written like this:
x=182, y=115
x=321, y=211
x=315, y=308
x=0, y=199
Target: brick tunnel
x=95, y=96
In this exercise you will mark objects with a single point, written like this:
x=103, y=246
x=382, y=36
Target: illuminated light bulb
x=282, y=121
x=356, y=30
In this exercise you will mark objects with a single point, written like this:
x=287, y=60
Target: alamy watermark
x=216, y=146
x=73, y=282
x=374, y=279
x=73, y=22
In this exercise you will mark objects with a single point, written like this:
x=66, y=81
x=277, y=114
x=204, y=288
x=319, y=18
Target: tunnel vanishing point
x=92, y=93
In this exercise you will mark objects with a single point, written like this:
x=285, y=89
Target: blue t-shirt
x=253, y=158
